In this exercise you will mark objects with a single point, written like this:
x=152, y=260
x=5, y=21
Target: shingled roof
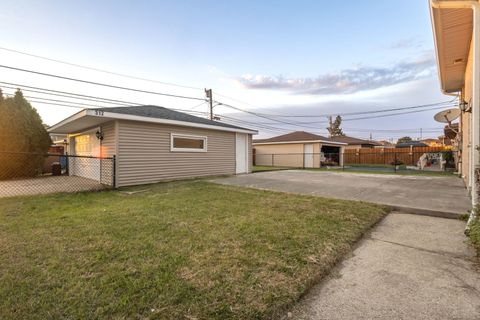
x=354, y=141
x=295, y=136
x=164, y=113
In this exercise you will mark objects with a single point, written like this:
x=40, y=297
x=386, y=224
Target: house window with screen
x=188, y=143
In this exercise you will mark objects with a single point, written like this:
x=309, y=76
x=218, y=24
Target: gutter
x=475, y=6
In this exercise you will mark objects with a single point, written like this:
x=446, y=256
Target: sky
x=293, y=58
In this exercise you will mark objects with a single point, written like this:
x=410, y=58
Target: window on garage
x=188, y=143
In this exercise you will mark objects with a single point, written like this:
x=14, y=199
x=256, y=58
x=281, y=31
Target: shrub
x=22, y=138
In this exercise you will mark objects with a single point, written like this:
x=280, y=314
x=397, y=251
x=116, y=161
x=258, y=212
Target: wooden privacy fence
x=387, y=156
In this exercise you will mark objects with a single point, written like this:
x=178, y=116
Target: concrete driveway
x=408, y=267
x=431, y=195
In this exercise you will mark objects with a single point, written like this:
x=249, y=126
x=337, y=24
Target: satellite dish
x=447, y=116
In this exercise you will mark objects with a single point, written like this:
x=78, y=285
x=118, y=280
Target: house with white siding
x=151, y=144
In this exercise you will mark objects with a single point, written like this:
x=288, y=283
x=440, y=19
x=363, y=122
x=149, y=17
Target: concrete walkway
x=409, y=267
x=439, y=196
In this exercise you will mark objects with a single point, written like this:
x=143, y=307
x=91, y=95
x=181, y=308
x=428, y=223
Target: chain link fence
x=23, y=173
x=438, y=161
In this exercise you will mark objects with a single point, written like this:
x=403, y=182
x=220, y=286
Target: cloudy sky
x=289, y=58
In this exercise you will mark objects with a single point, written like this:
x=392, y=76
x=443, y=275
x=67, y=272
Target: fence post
x=273, y=160
x=67, y=164
x=303, y=160
x=114, y=171
x=395, y=162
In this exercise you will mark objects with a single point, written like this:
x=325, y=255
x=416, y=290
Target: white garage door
x=85, y=145
x=241, y=151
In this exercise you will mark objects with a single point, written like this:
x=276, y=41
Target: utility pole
x=208, y=93
x=421, y=134
x=330, y=125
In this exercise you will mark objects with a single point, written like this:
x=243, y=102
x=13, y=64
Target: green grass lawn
x=475, y=235
x=180, y=250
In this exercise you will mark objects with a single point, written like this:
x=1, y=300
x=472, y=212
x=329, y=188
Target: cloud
x=406, y=43
x=346, y=81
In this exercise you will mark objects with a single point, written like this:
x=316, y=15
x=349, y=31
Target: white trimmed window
x=187, y=143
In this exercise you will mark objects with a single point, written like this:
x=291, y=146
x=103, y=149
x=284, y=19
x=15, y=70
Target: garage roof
x=297, y=137
x=353, y=141
x=88, y=118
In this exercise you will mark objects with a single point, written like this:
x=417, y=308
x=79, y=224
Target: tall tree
x=404, y=139
x=334, y=128
x=22, y=137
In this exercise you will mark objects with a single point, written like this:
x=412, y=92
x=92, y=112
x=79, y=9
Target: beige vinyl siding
x=281, y=155
x=108, y=150
x=285, y=155
x=144, y=154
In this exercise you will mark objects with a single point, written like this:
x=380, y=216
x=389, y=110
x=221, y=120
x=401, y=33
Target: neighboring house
x=410, y=144
x=58, y=139
x=298, y=149
x=433, y=142
x=385, y=144
x=355, y=143
x=152, y=144
x=457, y=46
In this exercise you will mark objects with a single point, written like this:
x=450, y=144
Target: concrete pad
x=409, y=267
x=441, y=196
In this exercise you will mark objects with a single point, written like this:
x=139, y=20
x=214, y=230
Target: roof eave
x=301, y=141
x=120, y=116
x=437, y=30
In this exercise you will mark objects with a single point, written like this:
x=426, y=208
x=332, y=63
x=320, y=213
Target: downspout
x=475, y=6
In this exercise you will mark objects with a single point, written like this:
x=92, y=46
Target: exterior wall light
x=465, y=106
x=99, y=135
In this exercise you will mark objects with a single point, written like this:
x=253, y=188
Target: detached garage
x=299, y=149
x=153, y=143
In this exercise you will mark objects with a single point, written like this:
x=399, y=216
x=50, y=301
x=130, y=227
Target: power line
x=98, y=70
x=447, y=103
x=100, y=84
x=304, y=126
x=64, y=101
x=262, y=116
x=21, y=86
x=198, y=105
x=260, y=126
x=61, y=95
x=341, y=114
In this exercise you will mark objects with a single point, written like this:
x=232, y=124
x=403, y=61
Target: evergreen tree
x=334, y=129
x=404, y=139
x=22, y=134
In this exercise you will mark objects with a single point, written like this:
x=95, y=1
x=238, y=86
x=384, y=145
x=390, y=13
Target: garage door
x=85, y=146
x=241, y=152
